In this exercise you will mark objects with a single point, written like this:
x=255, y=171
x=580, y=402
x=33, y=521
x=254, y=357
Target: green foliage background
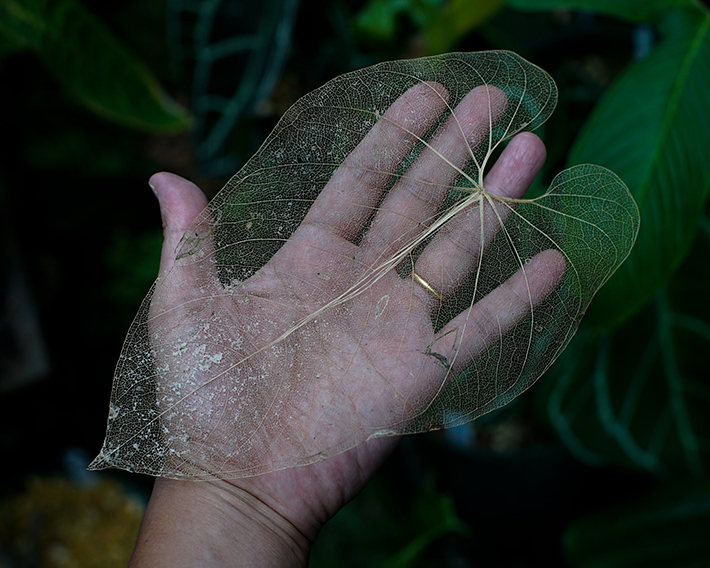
x=603, y=463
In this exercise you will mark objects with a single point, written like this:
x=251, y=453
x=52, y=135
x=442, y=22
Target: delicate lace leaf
x=360, y=278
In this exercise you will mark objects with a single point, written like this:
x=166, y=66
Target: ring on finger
x=428, y=287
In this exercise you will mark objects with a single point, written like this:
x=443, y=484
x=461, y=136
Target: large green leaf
x=653, y=128
x=636, y=10
x=90, y=63
x=667, y=529
x=640, y=395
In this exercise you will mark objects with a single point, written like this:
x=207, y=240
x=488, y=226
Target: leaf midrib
x=679, y=86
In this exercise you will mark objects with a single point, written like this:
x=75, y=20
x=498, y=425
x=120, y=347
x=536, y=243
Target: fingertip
x=517, y=166
x=532, y=146
x=165, y=182
x=549, y=267
x=181, y=201
x=156, y=180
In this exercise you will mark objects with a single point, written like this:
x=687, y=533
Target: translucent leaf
x=293, y=326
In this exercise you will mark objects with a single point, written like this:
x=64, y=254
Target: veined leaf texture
x=366, y=275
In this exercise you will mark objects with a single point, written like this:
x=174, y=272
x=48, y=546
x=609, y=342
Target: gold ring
x=428, y=287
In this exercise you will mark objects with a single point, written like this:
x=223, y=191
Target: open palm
x=359, y=279
x=332, y=342
x=247, y=384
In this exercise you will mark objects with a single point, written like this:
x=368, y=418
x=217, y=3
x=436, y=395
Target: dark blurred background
x=602, y=463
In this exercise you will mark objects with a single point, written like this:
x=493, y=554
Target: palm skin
x=364, y=372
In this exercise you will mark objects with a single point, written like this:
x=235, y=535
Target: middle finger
x=458, y=246
x=419, y=193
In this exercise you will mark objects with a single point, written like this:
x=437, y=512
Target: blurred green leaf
x=90, y=63
x=635, y=10
x=432, y=516
x=374, y=530
x=133, y=261
x=379, y=18
x=9, y=47
x=652, y=128
x=640, y=395
x=21, y=24
x=455, y=20
x=66, y=149
x=669, y=528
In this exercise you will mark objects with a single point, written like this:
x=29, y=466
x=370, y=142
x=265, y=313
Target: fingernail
x=153, y=188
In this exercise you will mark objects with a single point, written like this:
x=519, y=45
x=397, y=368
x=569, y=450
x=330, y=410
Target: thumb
x=181, y=201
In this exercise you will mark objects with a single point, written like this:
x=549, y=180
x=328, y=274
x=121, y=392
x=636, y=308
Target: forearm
x=212, y=525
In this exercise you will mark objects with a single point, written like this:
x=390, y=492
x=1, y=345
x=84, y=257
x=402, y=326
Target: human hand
x=334, y=340
x=353, y=382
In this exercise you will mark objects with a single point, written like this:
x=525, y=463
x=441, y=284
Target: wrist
x=215, y=523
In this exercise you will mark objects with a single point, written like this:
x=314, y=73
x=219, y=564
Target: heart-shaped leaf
x=359, y=278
